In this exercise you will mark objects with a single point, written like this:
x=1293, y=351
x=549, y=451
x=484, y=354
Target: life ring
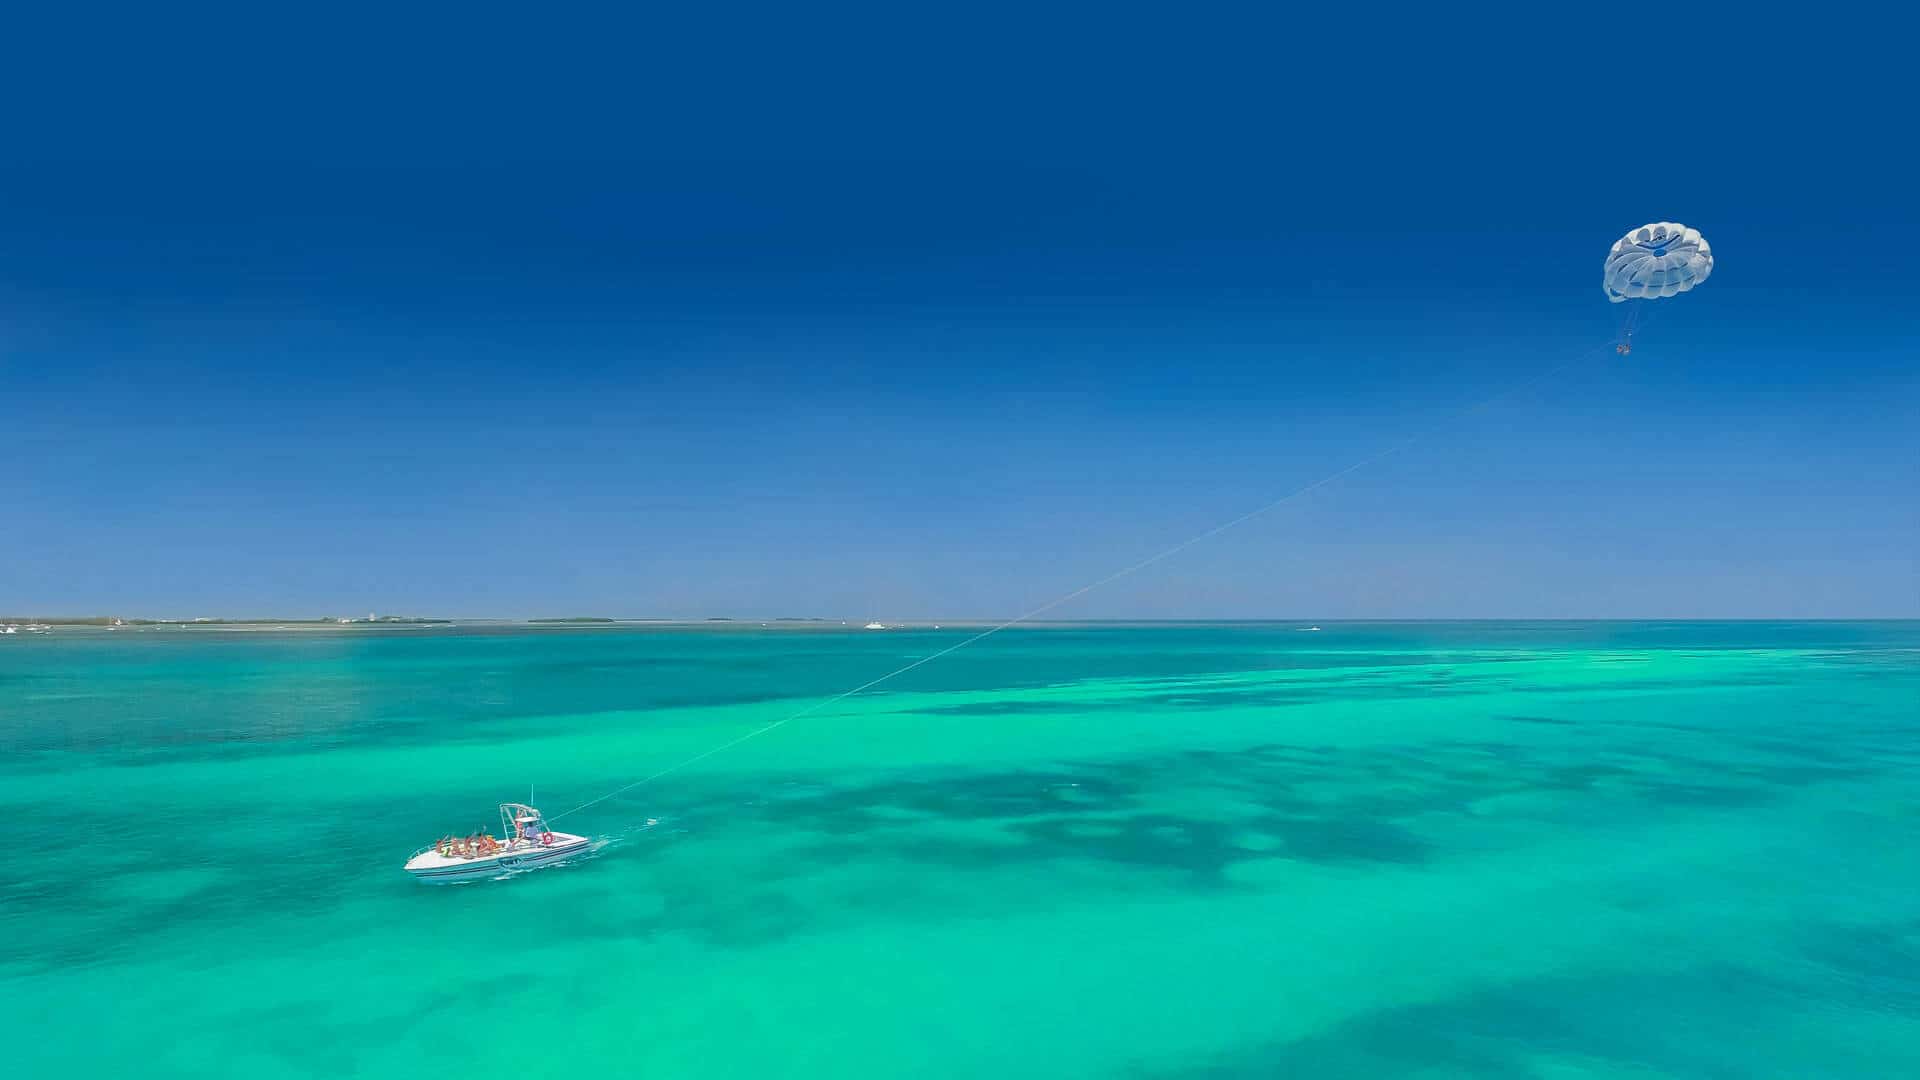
x=546, y=839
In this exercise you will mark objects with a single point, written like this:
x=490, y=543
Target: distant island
x=112, y=621
x=10, y=624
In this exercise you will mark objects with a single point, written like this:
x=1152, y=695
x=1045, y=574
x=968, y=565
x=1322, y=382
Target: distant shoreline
x=578, y=623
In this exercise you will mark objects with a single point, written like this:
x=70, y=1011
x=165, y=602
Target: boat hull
x=430, y=867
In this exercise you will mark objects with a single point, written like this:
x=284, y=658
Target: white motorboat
x=529, y=843
x=876, y=625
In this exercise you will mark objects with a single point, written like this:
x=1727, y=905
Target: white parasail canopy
x=1663, y=258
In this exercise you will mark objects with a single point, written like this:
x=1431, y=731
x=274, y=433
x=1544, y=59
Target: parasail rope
x=1126, y=571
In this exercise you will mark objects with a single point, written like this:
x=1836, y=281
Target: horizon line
x=585, y=621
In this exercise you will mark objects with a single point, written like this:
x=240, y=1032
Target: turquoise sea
x=1448, y=849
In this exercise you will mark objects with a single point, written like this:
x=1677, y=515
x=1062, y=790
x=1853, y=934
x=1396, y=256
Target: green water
x=1549, y=850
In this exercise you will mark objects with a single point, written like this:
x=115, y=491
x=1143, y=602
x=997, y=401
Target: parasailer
x=1656, y=260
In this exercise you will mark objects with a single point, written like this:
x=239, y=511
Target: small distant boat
x=1306, y=629
x=529, y=843
x=876, y=626
x=10, y=628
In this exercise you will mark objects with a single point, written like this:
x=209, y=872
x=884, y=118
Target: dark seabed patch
x=1311, y=804
x=1713, y=1022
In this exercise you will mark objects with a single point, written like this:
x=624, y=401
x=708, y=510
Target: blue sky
x=858, y=313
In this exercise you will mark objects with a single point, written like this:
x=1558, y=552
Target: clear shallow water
x=1443, y=849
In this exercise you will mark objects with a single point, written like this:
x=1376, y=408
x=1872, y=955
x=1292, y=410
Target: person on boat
x=534, y=831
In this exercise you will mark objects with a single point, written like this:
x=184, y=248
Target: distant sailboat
x=876, y=626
